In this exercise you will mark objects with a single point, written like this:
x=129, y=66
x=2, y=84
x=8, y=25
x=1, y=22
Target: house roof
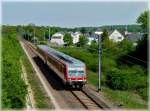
x=57, y=33
x=121, y=32
x=134, y=36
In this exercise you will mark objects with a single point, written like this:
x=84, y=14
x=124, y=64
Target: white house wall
x=75, y=37
x=116, y=36
x=57, y=40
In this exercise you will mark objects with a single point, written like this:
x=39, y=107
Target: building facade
x=58, y=38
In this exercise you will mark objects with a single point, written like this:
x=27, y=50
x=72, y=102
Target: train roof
x=66, y=58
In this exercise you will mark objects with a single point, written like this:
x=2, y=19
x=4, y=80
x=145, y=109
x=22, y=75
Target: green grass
x=128, y=99
x=14, y=89
x=92, y=78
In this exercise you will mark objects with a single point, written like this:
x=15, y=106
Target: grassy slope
x=39, y=94
x=12, y=53
x=14, y=89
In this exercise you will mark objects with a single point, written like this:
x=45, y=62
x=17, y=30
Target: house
x=116, y=36
x=134, y=37
x=75, y=37
x=58, y=38
x=91, y=37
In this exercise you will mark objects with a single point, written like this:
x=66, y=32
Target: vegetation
x=130, y=28
x=82, y=40
x=68, y=39
x=105, y=34
x=14, y=89
x=83, y=30
x=143, y=20
x=40, y=95
x=117, y=77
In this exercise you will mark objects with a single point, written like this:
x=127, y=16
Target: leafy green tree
x=142, y=47
x=93, y=47
x=82, y=40
x=105, y=34
x=143, y=20
x=68, y=39
x=83, y=30
x=126, y=46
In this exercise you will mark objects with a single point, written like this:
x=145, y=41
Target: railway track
x=83, y=98
x=86, y=101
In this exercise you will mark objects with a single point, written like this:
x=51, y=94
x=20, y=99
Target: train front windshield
x=76, y=72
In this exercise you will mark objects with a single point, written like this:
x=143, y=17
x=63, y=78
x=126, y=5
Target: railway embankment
x=42, y=101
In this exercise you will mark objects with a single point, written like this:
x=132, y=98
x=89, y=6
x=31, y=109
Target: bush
x=84, y=56
x=43, y=42
x=13, y=87
x=125, y=79
x=144, y=93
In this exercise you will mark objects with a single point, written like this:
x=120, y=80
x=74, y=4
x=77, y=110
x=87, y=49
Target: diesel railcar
x=69, y=69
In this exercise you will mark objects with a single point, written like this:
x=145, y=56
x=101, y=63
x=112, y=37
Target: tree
x=143, y=20
x=68, y=39
x=105, y=34
x=93, y=48
x=126, y=46
x=142, y=47
x=82, y=40
x=83, y=30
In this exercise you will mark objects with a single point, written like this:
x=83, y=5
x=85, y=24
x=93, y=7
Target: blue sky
x=72, y=14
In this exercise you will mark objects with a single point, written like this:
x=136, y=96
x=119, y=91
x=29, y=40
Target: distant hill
x=130, y=28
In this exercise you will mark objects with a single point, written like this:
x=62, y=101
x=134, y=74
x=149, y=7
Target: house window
x=119, y=37
x=56, y=37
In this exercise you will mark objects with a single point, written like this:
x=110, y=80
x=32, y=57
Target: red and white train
x=69, y=69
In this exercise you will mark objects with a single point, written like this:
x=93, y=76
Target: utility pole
x=28, y=34
x=49, y=34
x=44, y=35
x=99, y=56
x=34, y=36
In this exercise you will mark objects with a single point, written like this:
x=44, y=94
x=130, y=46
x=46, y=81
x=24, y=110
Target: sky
x=72, y=14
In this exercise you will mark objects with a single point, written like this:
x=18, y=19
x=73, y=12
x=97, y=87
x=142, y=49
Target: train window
x=72, y=71
x=80, y=71
x=81, y=74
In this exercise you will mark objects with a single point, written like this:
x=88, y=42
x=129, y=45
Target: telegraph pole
x=99, y=56
x=34, y=36
x=49, y=34
x=44, y=35
x=99, y=59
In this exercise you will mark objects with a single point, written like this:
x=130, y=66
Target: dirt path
x=30, y=101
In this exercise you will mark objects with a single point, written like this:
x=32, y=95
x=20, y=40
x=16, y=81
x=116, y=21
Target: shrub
x=13, y=87
x=144, y=93
x=125, y=79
